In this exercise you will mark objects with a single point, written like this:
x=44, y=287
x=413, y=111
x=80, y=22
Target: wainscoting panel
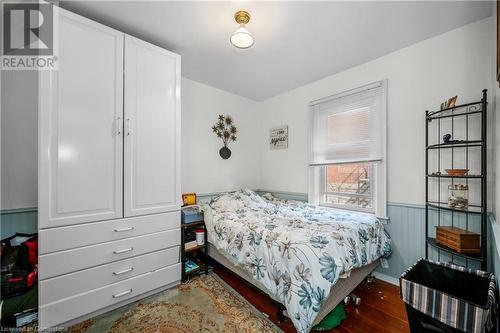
x=406, y=227
x=18, y=220
x=407, y=230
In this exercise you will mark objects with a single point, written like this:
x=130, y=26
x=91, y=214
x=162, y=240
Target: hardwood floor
x=381, y=309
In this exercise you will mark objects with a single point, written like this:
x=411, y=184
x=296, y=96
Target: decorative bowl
x=456, y=172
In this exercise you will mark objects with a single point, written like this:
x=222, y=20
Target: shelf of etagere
x=459, y=110
x=455, y=177
x=432, y=242
x=471, y=209
x=458, y=144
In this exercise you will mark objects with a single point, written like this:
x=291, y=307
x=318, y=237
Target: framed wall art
x=278, y=137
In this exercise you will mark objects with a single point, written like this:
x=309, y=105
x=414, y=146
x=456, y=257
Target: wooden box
x=460, y=240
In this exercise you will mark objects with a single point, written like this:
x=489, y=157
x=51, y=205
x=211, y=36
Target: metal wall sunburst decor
x=226, y=131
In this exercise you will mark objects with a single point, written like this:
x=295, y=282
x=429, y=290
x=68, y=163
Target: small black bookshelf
x=198, y=254
x=467, y=125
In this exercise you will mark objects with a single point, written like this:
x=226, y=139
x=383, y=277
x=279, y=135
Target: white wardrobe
x=109, y=172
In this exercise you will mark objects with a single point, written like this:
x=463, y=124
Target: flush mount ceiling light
x=241, y=38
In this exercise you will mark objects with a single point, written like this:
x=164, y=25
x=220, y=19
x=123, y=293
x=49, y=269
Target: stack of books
x=191, y=214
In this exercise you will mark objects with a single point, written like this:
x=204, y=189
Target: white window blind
x=348, y=127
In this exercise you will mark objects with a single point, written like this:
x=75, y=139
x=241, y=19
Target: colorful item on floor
x=19, y=277
x=331, y=320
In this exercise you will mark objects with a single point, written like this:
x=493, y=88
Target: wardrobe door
x=80, y=126
x=152, y=129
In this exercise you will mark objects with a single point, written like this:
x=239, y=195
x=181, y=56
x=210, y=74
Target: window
x=349, y=186
x=348, y=149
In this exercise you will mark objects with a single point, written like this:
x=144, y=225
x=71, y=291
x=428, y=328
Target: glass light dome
x=242, y=38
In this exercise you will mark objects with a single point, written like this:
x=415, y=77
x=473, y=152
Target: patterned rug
x=206, y=304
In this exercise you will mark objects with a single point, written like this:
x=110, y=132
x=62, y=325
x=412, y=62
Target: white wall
x=419, y=77
x=203, y=170
x=19, y=100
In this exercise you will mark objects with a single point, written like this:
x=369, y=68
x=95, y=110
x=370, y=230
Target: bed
x=305, y=257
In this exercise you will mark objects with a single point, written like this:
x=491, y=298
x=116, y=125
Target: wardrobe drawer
x=72, y=284
x=64, y=238
x=71, y=308
x=64, y=262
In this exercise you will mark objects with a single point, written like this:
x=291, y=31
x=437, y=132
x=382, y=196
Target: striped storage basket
x=462, y=299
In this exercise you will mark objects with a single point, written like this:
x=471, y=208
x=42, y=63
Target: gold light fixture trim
x=242, y=17
x=242, y=38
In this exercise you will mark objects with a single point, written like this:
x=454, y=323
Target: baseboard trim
x=386, y=278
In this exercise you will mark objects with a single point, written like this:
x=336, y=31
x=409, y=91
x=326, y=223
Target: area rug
x=206, y=304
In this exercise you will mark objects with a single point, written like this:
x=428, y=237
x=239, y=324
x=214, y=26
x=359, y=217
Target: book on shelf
x=190, y=245
x=190, y=266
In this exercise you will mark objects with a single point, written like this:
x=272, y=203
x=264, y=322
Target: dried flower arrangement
x=226, y=131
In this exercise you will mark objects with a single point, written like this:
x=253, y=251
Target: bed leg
x=355, y=300
x=280, y=314
x=370, y=278
x=352, y=298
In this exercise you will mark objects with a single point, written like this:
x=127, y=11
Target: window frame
x=317, y=174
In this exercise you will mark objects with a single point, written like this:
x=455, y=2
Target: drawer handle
x=124, y=229
x=124, y=271
x=123, y=251
x=122, y=293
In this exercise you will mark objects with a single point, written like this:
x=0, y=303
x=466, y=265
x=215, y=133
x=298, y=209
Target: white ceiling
x=295, y=42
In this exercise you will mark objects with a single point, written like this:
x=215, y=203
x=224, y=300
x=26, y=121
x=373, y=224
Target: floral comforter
x=296, y=250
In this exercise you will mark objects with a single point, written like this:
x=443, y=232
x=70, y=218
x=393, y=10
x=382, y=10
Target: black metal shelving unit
x=439, y=206
x=198, y=254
